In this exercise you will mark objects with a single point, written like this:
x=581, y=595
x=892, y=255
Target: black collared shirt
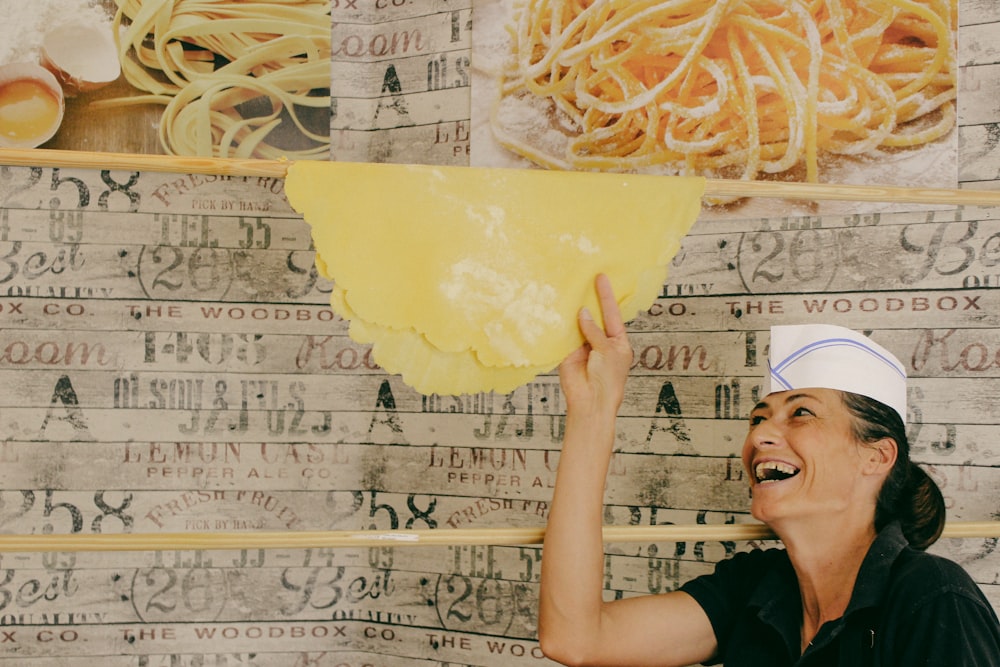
x=908, y=609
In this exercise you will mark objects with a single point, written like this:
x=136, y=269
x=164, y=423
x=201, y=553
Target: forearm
x=593, y=381
x=573, y=554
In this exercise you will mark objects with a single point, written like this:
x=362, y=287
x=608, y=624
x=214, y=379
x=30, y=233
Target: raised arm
x=575, y=625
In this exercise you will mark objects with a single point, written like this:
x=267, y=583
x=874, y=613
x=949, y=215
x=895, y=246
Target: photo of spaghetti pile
x=235, y=78
x=744, y=89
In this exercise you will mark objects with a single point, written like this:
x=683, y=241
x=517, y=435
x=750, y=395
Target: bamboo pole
x=175, y=164
x=410, y=538
x=279, y=168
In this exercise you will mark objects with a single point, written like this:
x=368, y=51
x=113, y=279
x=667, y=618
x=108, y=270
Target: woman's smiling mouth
x=773, y=471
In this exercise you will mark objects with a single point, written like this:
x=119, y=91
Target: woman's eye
x=756, y=419
x=802, y=412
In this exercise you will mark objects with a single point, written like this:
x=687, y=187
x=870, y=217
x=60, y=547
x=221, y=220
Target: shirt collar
x=873, y=577
x=779, y=602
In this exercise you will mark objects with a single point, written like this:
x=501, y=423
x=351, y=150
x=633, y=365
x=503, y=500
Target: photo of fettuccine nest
x=744, y=89
x=235, y=78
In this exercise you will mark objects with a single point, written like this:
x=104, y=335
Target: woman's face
x=802, y=458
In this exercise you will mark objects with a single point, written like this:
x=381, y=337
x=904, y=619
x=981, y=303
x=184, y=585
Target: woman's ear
x=880, y=456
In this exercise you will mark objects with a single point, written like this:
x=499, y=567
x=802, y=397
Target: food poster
x=853, y=91
x=224, y=79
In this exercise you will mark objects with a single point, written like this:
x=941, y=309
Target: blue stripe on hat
x=829, y=342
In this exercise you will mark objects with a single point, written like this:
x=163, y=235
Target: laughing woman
x=828, y=463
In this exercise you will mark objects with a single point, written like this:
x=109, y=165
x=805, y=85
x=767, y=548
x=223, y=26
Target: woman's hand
x=593, y=376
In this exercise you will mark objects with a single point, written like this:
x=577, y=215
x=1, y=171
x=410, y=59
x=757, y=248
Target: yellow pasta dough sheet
x=470, y=279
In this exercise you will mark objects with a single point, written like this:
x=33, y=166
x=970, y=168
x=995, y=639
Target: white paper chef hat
x=832, y=357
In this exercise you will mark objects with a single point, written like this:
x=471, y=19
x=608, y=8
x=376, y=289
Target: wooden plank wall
x=168, y=363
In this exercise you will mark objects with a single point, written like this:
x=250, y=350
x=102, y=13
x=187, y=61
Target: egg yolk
x=27, y=110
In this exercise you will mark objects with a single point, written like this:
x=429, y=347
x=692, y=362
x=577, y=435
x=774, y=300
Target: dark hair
x=908, y=495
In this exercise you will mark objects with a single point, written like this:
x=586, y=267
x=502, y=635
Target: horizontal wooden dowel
x=838, y=192
x=713, y=187
x=407, y=538
x=174, y=164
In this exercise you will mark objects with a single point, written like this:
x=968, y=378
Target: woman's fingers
x=610, y=344
x=594, y=374
x=593, y=334
x=588, y=327
x=613, y=324
x=611, y=314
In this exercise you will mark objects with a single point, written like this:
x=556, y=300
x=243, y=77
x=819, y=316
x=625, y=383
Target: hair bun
x=920, y=508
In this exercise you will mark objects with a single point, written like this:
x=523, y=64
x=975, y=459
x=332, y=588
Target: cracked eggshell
x=82, y=57
x=28, y=120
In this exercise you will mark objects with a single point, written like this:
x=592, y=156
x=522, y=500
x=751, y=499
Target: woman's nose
x=765, y=434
